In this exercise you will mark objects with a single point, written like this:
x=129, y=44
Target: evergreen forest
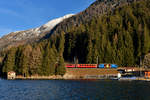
x=121, y=36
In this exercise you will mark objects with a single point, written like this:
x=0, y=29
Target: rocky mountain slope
x=31, y=35
x=95, y=10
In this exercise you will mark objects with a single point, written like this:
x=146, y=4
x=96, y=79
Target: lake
x=74, y=90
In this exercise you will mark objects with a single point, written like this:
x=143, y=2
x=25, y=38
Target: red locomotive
x=70, y=65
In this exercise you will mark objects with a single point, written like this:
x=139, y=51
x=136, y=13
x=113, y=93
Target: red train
x=91, y=66
x=81, y=65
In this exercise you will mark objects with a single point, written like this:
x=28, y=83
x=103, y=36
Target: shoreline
x=53, y=77
x=82, y=74
x=148, y=80
x=58, y=77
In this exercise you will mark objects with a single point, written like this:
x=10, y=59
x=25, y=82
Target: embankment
x=84, y=73
x=77, y=73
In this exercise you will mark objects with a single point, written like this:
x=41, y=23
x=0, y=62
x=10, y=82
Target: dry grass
x=92, y=71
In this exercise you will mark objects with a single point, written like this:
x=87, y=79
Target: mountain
x=109, y=31
x=31, y=35
x=98, y=8
x=95, y=10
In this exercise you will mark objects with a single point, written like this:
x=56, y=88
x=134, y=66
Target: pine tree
x=129, y=53
x=120, y=49
x=61, y=44
x=89, y=51
x=108, y=53
x=60, y=69
x=9, y=61
x=95, y=55
x=145, y=41
x=35, y=61
x=49, y=61
x=25, y=61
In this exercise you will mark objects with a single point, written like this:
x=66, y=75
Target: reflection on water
x=73, y=90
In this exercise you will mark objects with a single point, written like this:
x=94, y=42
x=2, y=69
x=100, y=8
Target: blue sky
x=18, y=15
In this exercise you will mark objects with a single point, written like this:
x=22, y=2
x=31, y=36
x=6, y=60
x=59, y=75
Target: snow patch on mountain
x=35, y=32
x=53, y=23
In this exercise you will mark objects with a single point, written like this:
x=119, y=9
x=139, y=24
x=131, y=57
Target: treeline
x=120, y=37
x=44, y=58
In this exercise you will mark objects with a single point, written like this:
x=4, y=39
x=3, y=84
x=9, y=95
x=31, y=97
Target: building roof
x=11, y=72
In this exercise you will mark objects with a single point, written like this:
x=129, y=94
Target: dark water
x=73, y=90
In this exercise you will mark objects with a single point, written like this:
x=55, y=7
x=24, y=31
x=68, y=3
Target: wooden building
x=11, y=75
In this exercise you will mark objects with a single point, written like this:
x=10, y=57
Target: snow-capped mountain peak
x=28, y=35
x=51, y=24
x=20, y=35
x=54, y=22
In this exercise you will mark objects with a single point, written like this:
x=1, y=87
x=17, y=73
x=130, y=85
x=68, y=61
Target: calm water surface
x=73, y=90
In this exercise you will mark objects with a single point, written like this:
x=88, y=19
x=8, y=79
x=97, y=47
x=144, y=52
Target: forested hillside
x=96, y=9
x=120, y=36
x=44, y=58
